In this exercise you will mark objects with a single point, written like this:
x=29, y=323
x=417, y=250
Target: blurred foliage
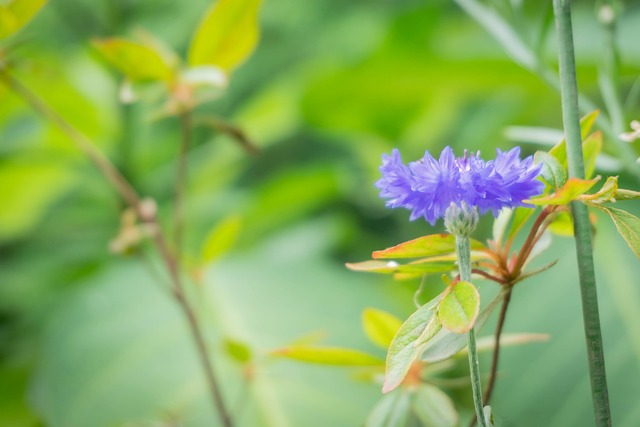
x=90, y=339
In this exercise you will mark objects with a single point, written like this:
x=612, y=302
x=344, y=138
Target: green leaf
x=459, y=307
x=570, y=191
x=16, y=14
x=227, y=35
x=425, y=246
x=446, y=343
x=327, y=355
x=622, y=194
x=553, y=172
x=628, y=226
x=220, y=239
x=433, y=407
x=388, y=267
x=586, y=123
x=591, y=147
x=507, y=340
x=238, y=350
x=135, y=60
x=403, y=349
x=380, y=326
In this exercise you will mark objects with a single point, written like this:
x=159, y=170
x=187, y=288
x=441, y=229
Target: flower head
x=428, y=186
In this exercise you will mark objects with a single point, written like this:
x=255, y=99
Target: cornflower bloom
x=428, y=187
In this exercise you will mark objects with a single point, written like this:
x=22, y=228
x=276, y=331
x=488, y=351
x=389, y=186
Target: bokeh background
x=88, y=338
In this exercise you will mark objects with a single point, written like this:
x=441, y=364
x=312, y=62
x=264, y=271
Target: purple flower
x=428, y=186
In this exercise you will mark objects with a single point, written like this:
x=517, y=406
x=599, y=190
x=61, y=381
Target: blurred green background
x=88, y=338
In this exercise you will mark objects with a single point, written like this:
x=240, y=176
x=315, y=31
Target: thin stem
x=463, y=251
x=181, y=179
x=582, y=225
x=131, y=197
x=496, y=346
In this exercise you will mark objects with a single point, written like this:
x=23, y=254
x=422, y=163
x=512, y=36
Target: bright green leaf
x=328, y=355
x=553, y=172
x=220, y=239
x=16, y=14
x=426, y=246
x=459, y=307
x=380, y=326
x=403, y=349
x=570, y=191
x=591, y=147
x=446, y=343
x=433, y=407
x=227, y=35
x=136, y=61
x=586, y=123
x=562, y=225
x=238, y=350
x=628, y=226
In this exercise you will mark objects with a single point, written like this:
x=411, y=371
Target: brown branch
x=488, y=275
x=180, y=184
x=496, y=346
x=131, y=197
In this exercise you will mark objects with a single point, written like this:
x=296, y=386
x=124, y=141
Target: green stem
x=582, y=225
x=463, y=250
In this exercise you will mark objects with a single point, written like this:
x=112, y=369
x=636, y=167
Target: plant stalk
x=463, y=251
x=133, y=200
x=582, y=225
x=180, y=184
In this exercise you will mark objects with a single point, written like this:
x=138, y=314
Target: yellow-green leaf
x=562, y=225
x=227, y=35
x=238, y=350
x=425, y=246
x=137, y=61
x=380, y=326
x=553, y=172
x=220, y=239
x=570, y=191
x=433, y=407
x=16, y=14
x=591, y=147
x=328, y=355
x=460, y=307
x=607, y=193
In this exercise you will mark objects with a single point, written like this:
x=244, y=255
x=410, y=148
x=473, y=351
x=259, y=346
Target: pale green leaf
x=227, y=35
x=389, y=267
x=446, y=343
x=500, y=225
x=220, y=239
x=459, y=307
x=380, y=326
x=16, y=14
x=433, y=407
x=390, y=411
x=520, y=218
x=327, y=355
x=622, y=194
x=509, y=339
x=403, y=349
x=570, y=191
x=628, y=226
x=135, y=60
x=425, y=246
